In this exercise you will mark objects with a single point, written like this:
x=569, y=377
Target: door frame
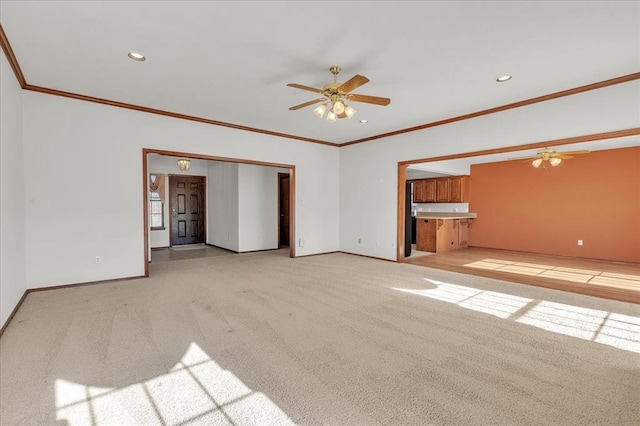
x=145, y=192
x=402, y=168
x=280, y=174
x=204, y=195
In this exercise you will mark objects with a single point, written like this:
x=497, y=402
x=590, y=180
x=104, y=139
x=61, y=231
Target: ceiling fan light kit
x=337, y=94
x=552, y=156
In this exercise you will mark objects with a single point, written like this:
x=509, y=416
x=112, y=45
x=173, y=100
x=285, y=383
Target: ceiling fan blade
x=369, y=99
x=300, y=86
x=573, y=152
x=353, y=83
x=306, y=104
x=523, y=158
x=562, y=156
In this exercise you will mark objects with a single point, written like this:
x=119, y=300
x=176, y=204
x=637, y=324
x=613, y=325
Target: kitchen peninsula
x=440, y=232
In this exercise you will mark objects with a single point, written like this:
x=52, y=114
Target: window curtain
x=156, y=184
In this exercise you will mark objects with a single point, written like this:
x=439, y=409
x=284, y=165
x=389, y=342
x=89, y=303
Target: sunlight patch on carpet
x=489, y=302
x=613, y=329
x=195, y=390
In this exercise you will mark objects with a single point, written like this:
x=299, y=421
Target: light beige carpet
x=260, y=338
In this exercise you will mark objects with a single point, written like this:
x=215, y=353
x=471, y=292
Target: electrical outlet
x=301, y=242
x=580, y=242
x=97, y=259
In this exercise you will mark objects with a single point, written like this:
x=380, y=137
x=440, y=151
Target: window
x=156, y=204
x=157, y=211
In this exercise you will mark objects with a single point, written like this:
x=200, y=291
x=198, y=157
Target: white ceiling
x=231, y=61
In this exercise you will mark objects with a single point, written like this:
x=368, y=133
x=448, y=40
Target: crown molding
x=555, y=95
x=6, y=47
x=170, y=114
x=11, y=57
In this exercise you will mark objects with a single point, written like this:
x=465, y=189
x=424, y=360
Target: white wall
x=168, y=165
x=223, y=210
x=77, y=208
x=243, y=213
x=258, y=207
x=369, y=171
x=12, y=223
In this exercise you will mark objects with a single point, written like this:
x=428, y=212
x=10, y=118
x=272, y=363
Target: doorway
x=284, y=231
x=145, y=199
x=187, y=209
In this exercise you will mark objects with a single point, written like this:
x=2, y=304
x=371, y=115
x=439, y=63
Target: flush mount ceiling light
x=137, y=56
x=335, y=97
x=503, y=78
x=184, y=164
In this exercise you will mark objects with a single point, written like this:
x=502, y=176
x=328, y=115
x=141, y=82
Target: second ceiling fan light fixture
x=553, y=161
x=335, y=97
x=552, y=156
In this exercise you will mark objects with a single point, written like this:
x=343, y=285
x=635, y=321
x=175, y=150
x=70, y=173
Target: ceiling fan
x=552, y=156
x=337, y=93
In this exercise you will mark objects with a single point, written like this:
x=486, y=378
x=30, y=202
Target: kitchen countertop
x=447, y=215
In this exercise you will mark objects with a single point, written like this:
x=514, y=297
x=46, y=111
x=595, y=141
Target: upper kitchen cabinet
x=442, y=190
x=459, y=189
x=424, y=191
x=452, y=189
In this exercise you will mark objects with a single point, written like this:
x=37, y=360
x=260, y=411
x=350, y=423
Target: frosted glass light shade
x=555, y=161
x=331, y=117
x=320, y=110
x=536, y=163
x=338, y=107
x=350, y=111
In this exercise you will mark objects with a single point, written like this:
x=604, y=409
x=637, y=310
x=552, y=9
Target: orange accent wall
x=593, y=197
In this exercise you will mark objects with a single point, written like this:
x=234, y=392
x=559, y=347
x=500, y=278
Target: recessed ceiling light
x=364, y=121
x=503, y=78
x=136, y=56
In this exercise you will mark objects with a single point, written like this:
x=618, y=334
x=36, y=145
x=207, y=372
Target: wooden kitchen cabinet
x=418, y=191
x=442, y=190
x=463, y=233
x=440, y=235
x=424, y=191
x=429, y=188
x=459, y=189
x=454, y=189
x=426, y=238
x=447, y=235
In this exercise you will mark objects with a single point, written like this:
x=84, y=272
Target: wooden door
x=187, y=198
x=283, y=209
